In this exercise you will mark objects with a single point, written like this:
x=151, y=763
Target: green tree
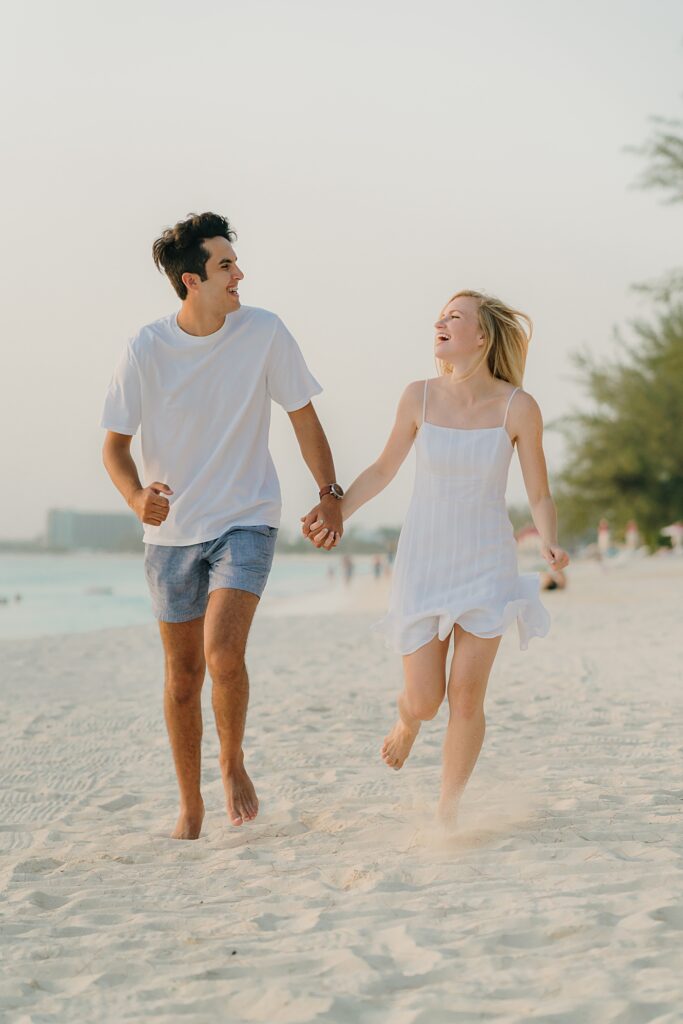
x=626, y=458
x=663, y=152
x=626, y=453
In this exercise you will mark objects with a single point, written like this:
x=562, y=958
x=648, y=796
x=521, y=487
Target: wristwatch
x=334, y=489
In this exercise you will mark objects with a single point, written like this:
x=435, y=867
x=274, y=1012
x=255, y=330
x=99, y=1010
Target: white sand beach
x=560, y=899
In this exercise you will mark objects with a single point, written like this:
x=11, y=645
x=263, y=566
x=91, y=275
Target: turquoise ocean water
x=76, y=593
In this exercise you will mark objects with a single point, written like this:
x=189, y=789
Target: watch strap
x=331, y=489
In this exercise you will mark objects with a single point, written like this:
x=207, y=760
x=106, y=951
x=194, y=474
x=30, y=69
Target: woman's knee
x=466, y=702
x=423, y=706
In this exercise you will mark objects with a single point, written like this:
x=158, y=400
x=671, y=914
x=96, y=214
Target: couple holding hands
x=199, y=384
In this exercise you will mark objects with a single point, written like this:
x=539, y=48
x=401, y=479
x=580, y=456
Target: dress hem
x=526, y=609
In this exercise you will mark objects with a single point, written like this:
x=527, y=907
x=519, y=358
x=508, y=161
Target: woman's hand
x=555, y=556
x=324, y=525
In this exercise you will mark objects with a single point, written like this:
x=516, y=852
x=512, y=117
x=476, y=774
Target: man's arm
x=318, y=457
x=148, y=503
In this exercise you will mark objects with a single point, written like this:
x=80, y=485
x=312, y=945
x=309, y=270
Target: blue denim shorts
x=180, y=579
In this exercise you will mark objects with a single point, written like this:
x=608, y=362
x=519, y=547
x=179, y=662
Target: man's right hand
x=150, y=505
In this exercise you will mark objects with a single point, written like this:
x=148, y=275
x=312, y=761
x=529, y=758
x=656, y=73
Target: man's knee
x=225, y=663
x=184, y=682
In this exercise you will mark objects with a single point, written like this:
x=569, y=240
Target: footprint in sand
x=121, y=803
x=46, y=901
x=35, y=866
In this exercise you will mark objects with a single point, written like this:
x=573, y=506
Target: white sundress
x=457, y=559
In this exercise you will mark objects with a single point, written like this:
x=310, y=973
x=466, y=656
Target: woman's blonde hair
x=507, y=332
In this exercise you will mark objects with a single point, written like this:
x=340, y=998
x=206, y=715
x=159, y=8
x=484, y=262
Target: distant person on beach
x=199, y=383
x=456, y=569
x=604, y=539
x=347, y=567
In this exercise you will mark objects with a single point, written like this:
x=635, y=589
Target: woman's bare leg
x=424, y=674
x=473, y=659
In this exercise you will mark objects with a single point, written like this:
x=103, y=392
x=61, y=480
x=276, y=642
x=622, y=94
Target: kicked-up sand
x=559, y=899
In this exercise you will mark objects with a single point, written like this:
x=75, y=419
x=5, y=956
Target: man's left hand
x=324, y=525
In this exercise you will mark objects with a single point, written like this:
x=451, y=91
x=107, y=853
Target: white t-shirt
x=203, y=405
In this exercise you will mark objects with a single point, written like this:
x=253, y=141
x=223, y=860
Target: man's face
x=219, y=292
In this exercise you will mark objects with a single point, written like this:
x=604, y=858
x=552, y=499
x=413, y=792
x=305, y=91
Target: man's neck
x=199, y=322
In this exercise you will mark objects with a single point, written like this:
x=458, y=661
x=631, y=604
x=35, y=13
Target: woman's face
x=458, y=334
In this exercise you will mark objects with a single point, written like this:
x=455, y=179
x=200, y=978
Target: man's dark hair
x=180, y=250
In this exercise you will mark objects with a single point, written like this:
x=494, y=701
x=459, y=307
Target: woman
x=456, y=565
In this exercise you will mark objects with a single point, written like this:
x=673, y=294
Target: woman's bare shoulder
x=524, y=410
x=413, y=393
x=523, y=400
x=416, y=387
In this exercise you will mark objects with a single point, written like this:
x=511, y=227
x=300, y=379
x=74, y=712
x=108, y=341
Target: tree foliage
x=626, y=453
x=663, y=152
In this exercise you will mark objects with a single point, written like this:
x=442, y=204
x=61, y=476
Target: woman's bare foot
x=447, y=812
x=398, y=743
x=240, y=795
x=189, y=823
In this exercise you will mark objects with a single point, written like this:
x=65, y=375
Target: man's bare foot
x=398, y=743
x=240, y=795
x=189, y=823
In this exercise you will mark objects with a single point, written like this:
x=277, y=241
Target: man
x=199, y=384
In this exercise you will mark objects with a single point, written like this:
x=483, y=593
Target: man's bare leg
x=470, y=669
x=185, y=668
x=226, y=628
x=424, y=674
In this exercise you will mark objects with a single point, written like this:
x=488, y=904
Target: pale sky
x=374, y=158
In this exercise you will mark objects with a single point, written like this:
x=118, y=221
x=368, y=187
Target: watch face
x=337, y=490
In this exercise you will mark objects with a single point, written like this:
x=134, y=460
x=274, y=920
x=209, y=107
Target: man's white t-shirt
x=203, y=405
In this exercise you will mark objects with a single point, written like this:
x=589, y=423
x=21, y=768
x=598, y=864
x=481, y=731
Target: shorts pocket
x=265, y=531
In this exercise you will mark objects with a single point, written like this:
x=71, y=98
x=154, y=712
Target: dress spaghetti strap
x=507, y=407
x=424, y=403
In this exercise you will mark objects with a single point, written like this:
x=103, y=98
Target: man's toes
x=236, y=816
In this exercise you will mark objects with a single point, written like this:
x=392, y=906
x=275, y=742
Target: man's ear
x=190, y=281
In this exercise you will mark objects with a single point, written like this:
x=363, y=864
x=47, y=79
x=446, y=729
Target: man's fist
x=150, y=505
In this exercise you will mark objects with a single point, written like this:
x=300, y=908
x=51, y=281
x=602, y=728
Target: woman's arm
x=526, y=426
x=376, y=477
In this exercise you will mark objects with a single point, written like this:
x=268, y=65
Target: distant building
x=68, y=530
